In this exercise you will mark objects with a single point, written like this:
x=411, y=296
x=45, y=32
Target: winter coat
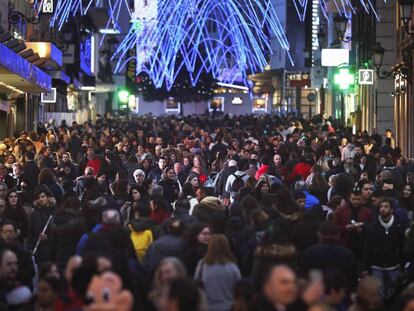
x=46, y=162
x=343, y=216
x=159, y=215
x=171, y=189
x=300, y=228
x=166, y=246
x=243, y=240
x=384, y=249
x=300, y=171
x=38, y=220
x=193, y=255
x=67, y=228
x=143, y=232
x=155, y=174
x=31, y=174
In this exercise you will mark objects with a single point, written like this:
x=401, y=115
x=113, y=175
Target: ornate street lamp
x=341, y=22
x=378, y=57
x=406, y=8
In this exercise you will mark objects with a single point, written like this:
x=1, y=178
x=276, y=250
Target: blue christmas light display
x=220, y=36
x=343, y=7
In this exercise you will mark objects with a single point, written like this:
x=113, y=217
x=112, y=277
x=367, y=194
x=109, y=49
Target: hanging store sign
x=366, y=76
x=49, y=97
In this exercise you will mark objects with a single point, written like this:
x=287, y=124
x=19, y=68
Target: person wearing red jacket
x=351, y=219
x=264, y=167
x=159, y=211
x=301, y=170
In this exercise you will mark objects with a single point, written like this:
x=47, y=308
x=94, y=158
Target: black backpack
x=237, y=184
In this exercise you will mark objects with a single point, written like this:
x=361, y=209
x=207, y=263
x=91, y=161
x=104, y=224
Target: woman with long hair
x=194, y=181
x=218, y=274
x=170, y=185
x=188, y=193
x=317, y=184
x=15, y=211
x=197, y=240
x=407, y=199
x=169, y=268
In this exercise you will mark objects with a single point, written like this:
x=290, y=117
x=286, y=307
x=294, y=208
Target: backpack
x=237, y=184
x=141, y=241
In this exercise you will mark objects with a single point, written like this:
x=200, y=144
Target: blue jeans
x=388, y=278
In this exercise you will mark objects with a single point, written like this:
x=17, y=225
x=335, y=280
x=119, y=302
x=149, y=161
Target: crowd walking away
x=201, y=213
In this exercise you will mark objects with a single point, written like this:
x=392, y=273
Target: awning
x=18, y=75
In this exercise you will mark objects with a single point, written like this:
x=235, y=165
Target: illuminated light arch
x=201, y=35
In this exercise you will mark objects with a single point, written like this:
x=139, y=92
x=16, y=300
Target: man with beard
x=9, y=239
x=384, y=244
x=351, y=219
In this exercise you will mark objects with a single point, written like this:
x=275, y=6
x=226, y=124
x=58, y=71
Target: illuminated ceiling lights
x=202, y=36
x=12, y=88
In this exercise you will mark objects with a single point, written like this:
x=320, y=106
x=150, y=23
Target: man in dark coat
x=383, y=250
x=9, y=240
x=156, y=172
x=44, y=207
x=30, y=171
x=45, y=159
x=170, y=244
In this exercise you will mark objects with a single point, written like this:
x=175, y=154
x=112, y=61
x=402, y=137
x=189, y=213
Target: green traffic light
x=344, y=79
x=123, y=96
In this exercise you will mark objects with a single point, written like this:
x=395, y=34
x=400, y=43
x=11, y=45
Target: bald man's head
x=111, y=217
x=280, y=287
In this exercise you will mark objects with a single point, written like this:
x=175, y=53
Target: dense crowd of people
x=255, y=212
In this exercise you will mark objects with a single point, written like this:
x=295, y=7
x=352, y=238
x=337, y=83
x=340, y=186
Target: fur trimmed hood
x=51, y=202
x=276, y=251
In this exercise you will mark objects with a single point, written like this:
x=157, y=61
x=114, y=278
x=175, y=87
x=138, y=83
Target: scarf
x=386, y=225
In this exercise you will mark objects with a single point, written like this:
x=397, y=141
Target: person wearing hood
x=44, y=207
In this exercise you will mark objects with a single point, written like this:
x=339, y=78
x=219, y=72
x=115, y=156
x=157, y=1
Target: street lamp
x=406, y=8
x=341, y=22
x=378, y=55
